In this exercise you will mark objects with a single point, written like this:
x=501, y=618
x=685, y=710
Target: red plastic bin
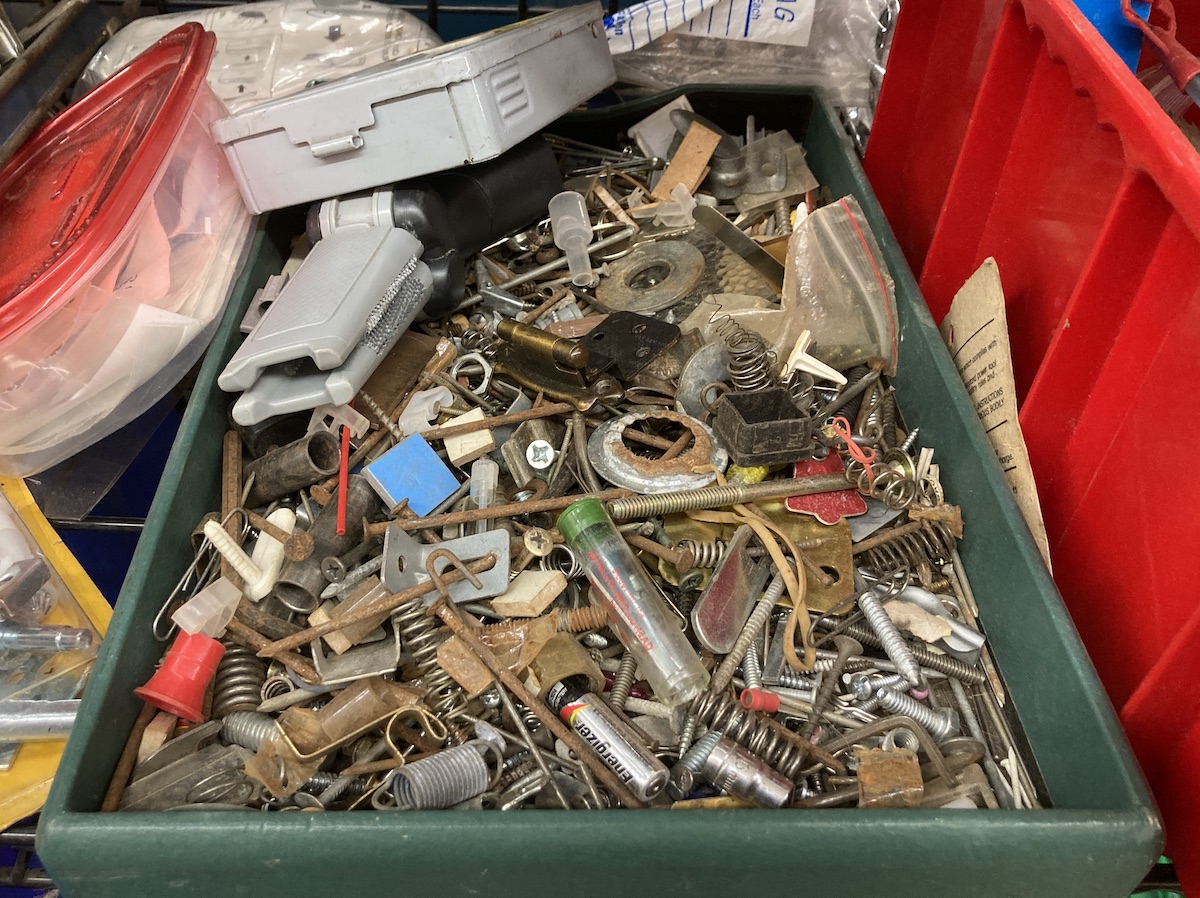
x=1012, y=130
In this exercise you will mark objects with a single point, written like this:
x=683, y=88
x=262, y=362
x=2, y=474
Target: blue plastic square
x=411, y=470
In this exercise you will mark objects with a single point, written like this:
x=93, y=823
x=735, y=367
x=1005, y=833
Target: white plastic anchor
x=260, y=572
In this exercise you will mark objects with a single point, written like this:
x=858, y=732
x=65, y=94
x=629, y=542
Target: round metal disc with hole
x=652, y=277
x=621, y=466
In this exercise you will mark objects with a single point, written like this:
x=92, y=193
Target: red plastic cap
x=74, y=185
x=760, y=700
x=178, y=686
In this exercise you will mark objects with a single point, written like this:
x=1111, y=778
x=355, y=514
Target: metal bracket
x=404, y=563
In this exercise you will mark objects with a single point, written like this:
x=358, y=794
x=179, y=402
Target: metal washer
x=652, y=277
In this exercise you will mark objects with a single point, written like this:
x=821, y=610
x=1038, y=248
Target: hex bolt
x=941, y=723
x=894, y=645
x=846, y=648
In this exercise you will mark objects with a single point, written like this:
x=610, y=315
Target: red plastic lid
x=75, y=184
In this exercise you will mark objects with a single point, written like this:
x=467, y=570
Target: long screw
x=846, y=647
x=720, y=496
x=940, y=724
x=894, y=645
x=750, y=631
x=942, y=664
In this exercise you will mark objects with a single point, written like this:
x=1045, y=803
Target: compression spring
x=275, y=686
x=802, y=388
x=514, y=768
x=442, y=780
x=762, y=736
x=632, y=508
x=933, y=545
x=238, y=683
x=561, y=558
x=421, y=636
x=475, y=340
x=248, y=729
x=532, y=721
x=751, y=361
x=705, y=552
x=892, y=487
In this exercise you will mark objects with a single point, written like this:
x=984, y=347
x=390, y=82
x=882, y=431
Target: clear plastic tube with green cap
x=640, y=615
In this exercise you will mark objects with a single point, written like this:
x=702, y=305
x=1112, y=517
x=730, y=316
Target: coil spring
x=751, y=361
x=247, y=728
x=933, y=545
x=762, y=736
x=562, y=558
x=442, y=780
x=531, y=720
x=239, y=680
x=656, y=504
x=475, y=340
x=422, y=635
x=516, y=767
x=705, y=552
x=893, y=488
x=275, y=686
x=803, y=390
x=849, y=410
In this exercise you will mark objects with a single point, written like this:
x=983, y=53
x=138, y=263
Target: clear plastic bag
x=837, y=286
x=144, y=316
x=834, y=45
x=278, y=47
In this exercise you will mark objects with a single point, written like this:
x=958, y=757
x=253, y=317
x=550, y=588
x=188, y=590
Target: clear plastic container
x=640, y=615
x=124, y=230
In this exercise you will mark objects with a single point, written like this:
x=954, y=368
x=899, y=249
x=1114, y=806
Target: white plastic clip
x=800, y=360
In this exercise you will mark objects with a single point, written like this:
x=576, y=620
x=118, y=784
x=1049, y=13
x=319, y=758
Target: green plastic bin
x=1098, y=838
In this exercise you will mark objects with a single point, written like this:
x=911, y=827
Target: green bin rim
x=1099, y=837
